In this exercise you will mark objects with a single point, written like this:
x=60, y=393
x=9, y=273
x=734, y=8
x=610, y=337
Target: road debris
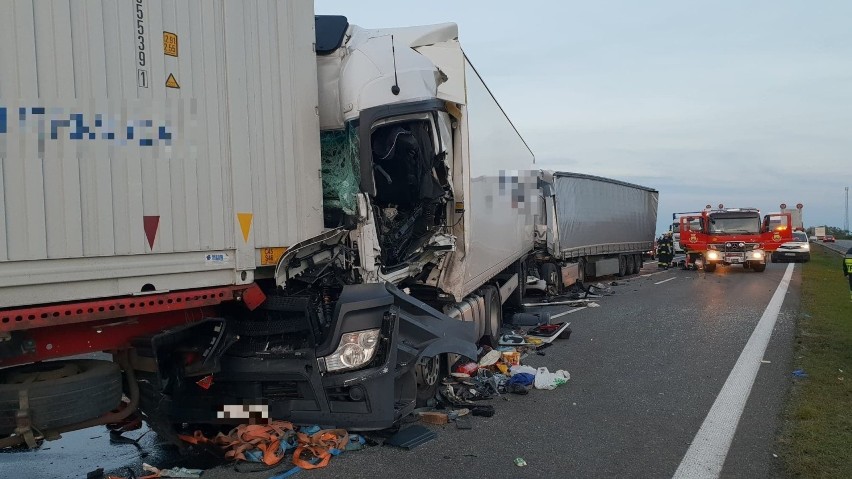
x=173, y=472
x=411, y=437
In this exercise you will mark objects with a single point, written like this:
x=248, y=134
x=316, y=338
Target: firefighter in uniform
x=847, y=269
x=665, y=250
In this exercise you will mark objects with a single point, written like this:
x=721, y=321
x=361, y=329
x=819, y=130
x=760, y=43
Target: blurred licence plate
x=734, y=259
x=789, y=254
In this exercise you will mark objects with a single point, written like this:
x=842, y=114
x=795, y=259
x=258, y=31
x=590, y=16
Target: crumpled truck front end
x=359, y=374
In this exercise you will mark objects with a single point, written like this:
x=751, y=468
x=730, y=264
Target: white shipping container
x=153, y=144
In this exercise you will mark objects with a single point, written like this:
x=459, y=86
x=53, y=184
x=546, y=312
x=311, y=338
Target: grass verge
x=817, y=437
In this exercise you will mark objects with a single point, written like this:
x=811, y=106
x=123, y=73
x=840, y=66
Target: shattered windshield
x=734, y=225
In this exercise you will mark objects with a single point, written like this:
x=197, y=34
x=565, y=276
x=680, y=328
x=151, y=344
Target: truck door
x=691, y=231
x=777, y=229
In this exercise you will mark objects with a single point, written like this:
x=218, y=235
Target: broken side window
x=340, y=173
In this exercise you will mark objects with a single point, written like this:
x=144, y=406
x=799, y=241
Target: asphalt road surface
x=646, y=368
x=840, y=245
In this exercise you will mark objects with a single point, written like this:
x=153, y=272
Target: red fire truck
x=729, y=236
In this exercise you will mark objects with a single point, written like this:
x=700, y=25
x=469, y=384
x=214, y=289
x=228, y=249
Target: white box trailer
x=600, y=226
x=153, y=144
x=157, y=155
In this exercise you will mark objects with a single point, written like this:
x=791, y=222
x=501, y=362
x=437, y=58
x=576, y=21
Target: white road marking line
x=651, y=274
x=706, y=456
x=665, y=280
x=563, y=313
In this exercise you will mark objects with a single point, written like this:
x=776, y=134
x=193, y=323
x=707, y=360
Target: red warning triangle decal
x=151, y=224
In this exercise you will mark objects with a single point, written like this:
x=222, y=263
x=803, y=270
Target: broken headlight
x=355, y=350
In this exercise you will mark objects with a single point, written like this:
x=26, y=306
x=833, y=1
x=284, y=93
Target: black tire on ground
x=758, y=267
x=622, y=265
x=709, y=267
x=62, y=392
x=637, y=258
x=493, y=311
x=550, y=273
x=149, y=386
x=517, y=297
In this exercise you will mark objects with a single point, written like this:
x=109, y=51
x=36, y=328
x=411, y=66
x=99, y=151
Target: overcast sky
x=745, y=103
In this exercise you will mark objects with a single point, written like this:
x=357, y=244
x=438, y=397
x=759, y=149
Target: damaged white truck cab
x=409, y=136
x=402, y=156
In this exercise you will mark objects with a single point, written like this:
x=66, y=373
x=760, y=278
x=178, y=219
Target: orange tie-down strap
x=312, y=451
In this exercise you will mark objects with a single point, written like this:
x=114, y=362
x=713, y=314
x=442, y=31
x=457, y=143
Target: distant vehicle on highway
x=797, y=250
x=828, y=239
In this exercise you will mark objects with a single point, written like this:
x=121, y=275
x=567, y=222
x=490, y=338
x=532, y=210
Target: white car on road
x=797, y=250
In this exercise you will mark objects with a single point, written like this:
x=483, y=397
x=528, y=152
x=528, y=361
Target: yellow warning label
x=270, y=256
x=171, y=82
x=170, y=44
x=245, y=224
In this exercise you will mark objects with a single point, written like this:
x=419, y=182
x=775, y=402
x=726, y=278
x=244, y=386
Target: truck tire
x=622, y=265
x=60, y=393
x=639, y=262
x=493, y=312
x=428, y=374
x=550, y=273
x=709, y=267
x=149, y=399
x=758, y=267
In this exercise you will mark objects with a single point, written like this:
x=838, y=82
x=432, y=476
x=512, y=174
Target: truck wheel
x=428, y=373
x=759, y=267
x=581, y=270
x=493, y=312
x=60, y=393
x=550, y=273
x=149, y=400
x=637, y=258
x=622, y=265
x=709, y=267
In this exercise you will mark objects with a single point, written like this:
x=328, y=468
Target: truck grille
x=735, y=246
x=282, y=390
